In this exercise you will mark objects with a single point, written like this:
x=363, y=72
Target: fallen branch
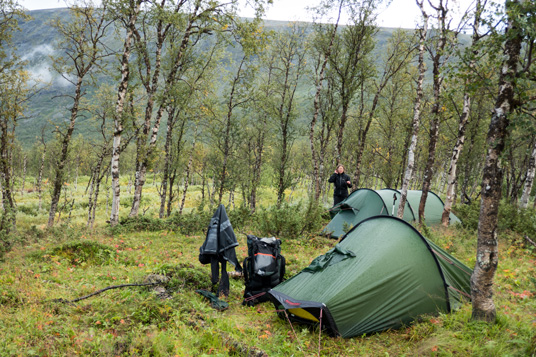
x=103, y=290
x=530, y=241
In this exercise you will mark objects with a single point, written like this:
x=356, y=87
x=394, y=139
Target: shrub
x=29, y=210
x=64, y=232
x=80, y=253
x=185, y=277
x=511, y=218
x=6, y=242
x=290, y=220
x=139, y=223
x=521, y=221
x=468, y=214
x=240, y=217
x=190, y=223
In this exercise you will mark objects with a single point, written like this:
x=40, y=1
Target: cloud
x=43, y=50
x=62, y=82
x=41, y=75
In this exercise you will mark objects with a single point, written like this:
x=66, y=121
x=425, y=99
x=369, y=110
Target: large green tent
x=364, y=203
x=382, y=275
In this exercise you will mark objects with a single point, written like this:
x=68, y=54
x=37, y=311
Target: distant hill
x=35, y=44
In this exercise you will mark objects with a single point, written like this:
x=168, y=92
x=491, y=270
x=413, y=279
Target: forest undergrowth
x=45, y=269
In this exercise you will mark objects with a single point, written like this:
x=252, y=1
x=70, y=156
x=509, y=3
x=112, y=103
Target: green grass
x=71, y=261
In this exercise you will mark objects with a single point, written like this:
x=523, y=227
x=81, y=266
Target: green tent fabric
x=364, y=203
x=382, y=275
x=359, y=205
x=457, y=275
x=389, y=195
x=433, y=210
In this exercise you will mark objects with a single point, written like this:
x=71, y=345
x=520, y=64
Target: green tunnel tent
x=382, y=275
x=364, y=203
x=359, y=205
x=433, y=209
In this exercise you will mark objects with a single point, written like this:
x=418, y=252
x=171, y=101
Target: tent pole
x=320, y=332
x=292, y=327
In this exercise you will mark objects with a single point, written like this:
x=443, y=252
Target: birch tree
x=201, y=18
x=399, y=52
x=13, y=95
x=83, y=52
x=439, y=53
x=529, y=180
x=257, y=131
x=189, y=100
x=350, y=61
x=103, y=111
x=322, y=55
x=452, y=173
x=520, y=30
x=228, y=137
x=289, y=69
x=416, y=112
x=127, y=13
x=41, y=166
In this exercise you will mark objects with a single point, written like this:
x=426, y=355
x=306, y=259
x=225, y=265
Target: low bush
x=511, y=218
x=139, y=223
x=468, y=214
x=290, y=221
x=29, y=209
x=80, y=253
x=521, y=221
x=6, y=242
x=193, y=222
x=185, y=277
x=287, y=220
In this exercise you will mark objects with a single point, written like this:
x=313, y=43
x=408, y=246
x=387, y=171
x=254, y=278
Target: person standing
x=342, y=183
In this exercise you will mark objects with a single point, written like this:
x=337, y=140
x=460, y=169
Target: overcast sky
x=400, y=13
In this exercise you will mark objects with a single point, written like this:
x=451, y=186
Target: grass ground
x=71, y=261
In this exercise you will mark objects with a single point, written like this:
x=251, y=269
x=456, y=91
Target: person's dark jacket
x=341, y=187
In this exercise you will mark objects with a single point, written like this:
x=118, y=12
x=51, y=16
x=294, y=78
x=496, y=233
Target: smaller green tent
x=433, y=209
x=364, y=203
x=359, y=205
x=382, y=275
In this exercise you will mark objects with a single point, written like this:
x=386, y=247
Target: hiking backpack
x=264, y=268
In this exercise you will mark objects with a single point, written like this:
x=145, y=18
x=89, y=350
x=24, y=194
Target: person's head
x=340, y=169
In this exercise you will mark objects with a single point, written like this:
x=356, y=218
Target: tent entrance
x=310, y=313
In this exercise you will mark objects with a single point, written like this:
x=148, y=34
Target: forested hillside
x=132, y=121
x=37, y=44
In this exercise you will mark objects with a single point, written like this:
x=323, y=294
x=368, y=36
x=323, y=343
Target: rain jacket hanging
x=218, y=249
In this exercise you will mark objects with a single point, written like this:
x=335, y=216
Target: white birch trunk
x=416, y=116
x=529, y=181
x=188, y=171
x=464, y=119
x=118, y=119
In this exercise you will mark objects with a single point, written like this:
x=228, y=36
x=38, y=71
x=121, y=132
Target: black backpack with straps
x=264, y=268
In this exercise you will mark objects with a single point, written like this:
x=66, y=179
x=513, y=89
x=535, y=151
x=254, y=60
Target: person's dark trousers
x=223, y=287
x=338, y=199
